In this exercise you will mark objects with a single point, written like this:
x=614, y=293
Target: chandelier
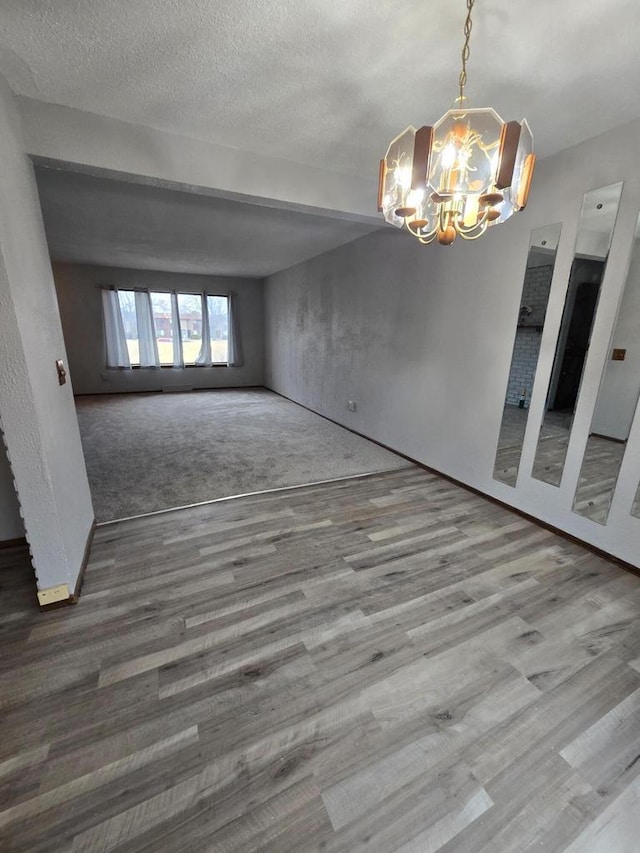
x=470, y=171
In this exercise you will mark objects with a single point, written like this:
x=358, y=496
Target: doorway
x=584, y=284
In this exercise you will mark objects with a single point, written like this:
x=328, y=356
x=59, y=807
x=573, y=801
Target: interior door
x=576, y=347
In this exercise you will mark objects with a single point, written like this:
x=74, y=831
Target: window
x=166, y=329
x=190, y=313
x=219, y=328
x=127, y=300
x=163, y=327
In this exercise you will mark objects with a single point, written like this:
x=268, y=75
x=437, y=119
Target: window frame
x=186, y=365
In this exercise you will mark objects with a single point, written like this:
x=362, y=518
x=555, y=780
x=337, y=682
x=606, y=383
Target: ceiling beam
x=99, y=145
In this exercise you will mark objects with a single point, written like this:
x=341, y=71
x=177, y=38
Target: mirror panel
x=616, y=403
x=595, y=230
x=526, y=347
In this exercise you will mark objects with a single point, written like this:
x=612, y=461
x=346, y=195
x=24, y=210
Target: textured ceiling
x=112, y=223
x=322, y=81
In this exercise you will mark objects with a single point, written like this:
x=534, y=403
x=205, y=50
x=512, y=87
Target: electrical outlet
x=352, y=405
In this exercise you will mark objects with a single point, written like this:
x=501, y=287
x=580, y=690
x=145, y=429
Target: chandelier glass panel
x=466, y=173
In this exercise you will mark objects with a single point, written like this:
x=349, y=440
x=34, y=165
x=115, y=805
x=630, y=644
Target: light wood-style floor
x=388, y=664
x=554, y=439
x=598, y=477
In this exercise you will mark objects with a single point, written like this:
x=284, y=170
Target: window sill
x=171, y=367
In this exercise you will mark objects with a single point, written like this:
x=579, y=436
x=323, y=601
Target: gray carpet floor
x=146, y=452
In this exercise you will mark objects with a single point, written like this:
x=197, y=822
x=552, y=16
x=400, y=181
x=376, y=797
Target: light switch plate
x=62, y=373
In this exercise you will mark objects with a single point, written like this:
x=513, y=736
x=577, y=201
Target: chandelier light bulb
x=403, y=177
x=448, y=157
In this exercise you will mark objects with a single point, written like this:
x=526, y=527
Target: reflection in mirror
x=616, y=403
x=524, y=360
x=595, y=229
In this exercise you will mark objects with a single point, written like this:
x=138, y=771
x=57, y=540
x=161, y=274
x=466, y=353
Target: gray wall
x=81, y=310
x=387, y=323
x=421, y=338
x=38, y=415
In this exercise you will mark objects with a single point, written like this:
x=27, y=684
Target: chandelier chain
x=465, y=50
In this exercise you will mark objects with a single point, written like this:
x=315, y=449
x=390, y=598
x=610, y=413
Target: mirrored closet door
x=595, y=230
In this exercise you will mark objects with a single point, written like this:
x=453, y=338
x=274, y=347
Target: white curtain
x=176, y=334
x=234, y=354
x=204, y=356
x=117, y=352
x=147, y=343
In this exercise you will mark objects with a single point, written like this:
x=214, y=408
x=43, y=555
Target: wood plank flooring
x=388, y=664
x=553, y=441
x=598, y=476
